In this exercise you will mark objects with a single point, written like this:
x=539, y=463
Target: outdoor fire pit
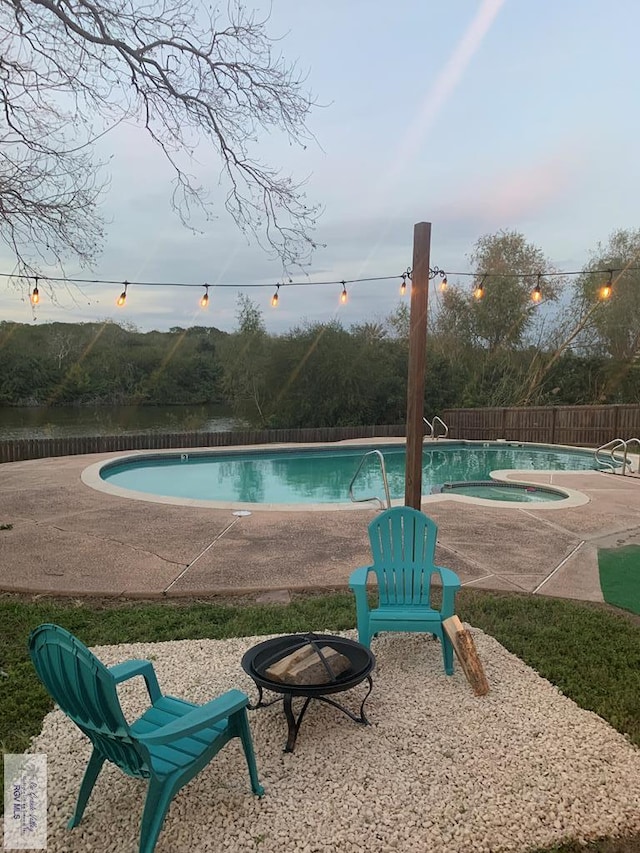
x=312, y=666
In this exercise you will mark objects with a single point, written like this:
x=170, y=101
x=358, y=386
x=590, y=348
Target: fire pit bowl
x=259, y=658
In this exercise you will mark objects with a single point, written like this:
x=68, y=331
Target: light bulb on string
x=478, y=293
x=536, y=293
x=35, y=295
x=123, y=296
x=275, y=298
x=607, y=289
x=343, y=295
x=444, y=284
x=403, y=286
x=205, y=298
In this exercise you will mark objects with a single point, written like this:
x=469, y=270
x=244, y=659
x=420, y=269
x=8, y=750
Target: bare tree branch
x=71, y=69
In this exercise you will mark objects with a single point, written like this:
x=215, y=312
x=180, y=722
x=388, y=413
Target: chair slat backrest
x=403, y=544
x=86, y=691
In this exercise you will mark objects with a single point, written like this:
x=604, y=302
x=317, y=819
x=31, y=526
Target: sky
x=474, y=115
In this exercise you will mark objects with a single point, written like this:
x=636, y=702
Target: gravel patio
x=438, y=769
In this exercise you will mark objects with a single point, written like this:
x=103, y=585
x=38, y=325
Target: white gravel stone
x=439, y=769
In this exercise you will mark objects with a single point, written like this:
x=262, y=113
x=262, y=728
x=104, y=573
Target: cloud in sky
x=516, y=194
x=444, y=86
x=450, y=113
x=411, y=141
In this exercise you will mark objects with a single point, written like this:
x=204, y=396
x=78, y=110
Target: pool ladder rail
x=432, y=428
x=385, y=482
x=616, y=465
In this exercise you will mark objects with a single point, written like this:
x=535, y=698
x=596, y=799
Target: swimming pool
x=322, y=475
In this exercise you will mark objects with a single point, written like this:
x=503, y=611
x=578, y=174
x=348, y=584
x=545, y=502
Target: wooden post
x=417, y=362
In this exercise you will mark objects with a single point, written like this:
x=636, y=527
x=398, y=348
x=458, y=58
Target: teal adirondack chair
x=403, y=544
x=168, y=745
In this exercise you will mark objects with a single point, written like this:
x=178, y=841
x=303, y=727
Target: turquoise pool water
x=504, y=492
x=323, y=475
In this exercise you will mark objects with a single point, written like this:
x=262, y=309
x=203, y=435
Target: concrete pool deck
x=66, y=538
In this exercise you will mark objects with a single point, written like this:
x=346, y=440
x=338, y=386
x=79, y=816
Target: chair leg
x=362, y=617
x=362, y=634
x=365, y=635
x=447, y=653
x=159, y=796
x=90, y=775
x=249, y=754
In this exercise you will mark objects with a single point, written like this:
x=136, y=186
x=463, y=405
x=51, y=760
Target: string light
x=554, y=274
x=604, y=292
x=536, y=293
x=35, y=296
x=478, y=293
x=123, y=296
x=607, y=288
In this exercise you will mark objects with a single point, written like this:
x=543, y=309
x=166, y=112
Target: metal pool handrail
x=624, y=455
x=432, y=427
x=610, y=448
x=384, y=481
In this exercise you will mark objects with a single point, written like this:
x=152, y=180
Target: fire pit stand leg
x=260, y=703
x=356, y=719
x=293, y=724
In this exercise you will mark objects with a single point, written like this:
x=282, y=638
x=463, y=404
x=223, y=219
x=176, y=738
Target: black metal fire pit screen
x=260, y=658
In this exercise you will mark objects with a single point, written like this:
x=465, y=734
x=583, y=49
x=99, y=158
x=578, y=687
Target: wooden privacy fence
x=16, y=450
x=576, y=425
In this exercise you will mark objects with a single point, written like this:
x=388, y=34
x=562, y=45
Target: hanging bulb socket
x=343, y=295
x=205, y=298
x=403, y=286
x=444, y=284
x=123, y=296
x=478, y=293
x=536, y=293
x=275, y=298
x=607, y=289
x=35, y=295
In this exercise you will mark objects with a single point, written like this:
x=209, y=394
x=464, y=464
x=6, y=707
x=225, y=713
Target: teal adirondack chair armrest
x=201, y=717
x=358, y=577
x=130, y=668
x=450, y=585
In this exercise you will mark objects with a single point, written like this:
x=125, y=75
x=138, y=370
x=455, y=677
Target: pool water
x=323, y=475
x=503, y=492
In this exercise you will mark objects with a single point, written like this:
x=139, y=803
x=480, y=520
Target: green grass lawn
x=590, y=653
x=620, y=576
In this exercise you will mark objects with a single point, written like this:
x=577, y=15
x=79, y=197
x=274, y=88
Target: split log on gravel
x=465, y=650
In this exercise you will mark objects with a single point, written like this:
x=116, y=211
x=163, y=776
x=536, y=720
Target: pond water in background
x=61, y=421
